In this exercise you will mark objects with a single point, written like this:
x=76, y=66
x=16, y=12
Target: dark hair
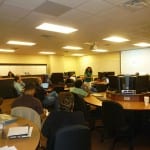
x=29, y=86
x=66, y=101
x=78, y=83
x=16, y=78
x=87, y=69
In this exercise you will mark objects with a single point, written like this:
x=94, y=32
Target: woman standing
x=88, y=76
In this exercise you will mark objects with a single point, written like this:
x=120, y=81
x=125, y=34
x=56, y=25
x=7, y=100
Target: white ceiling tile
x=94, y=6
x=70, y=3
x=116, y=2
x=12, y=11
x=28, y=4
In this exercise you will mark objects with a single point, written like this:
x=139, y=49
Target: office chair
x=89, y=115
x=27, y=113
x=74, y=137
x=115, y=123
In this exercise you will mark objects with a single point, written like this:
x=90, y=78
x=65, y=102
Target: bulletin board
x=23, y=69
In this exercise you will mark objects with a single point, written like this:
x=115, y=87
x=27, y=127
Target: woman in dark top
x=88, y=76
x=62, y=118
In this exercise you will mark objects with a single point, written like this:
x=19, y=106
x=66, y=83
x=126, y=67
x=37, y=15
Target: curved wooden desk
x=30, y=143
x=130, y=105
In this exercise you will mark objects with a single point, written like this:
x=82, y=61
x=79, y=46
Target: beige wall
x=62, y=64
x=101, y=62
x=24, y=59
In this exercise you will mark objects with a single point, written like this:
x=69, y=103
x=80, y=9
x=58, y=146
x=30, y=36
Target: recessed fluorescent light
x=100, y=50
x=56, y=28
x=72, y=47
x=21, y=43
x=116, y=39
x=7, y=50
x=47, y=53
x=77, y=54
x=142, y=44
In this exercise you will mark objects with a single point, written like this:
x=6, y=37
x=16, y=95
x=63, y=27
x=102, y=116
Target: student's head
x=17, y=78
x=88, y=69
x=78, y=83
x=39, y=80
x=29, y=88
x=66, y=101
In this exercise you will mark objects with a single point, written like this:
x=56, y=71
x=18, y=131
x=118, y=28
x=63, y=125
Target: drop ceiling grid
x=34, y=19
x=26, y=4
x=52, y=8
x=70, y=3
x=93, y=7
x=12, y=11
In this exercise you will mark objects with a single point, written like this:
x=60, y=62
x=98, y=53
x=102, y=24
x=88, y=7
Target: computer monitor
x=142, y=83
x=127, y=82
x=57, y=78
x=109, y=73
x=101, y=75
x=114, y=83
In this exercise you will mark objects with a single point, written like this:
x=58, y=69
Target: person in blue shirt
x=19, y=85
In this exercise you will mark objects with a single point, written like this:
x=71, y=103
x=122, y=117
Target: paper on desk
x=8, y=148
x=21, y=131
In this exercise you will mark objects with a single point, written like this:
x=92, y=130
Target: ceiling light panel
x=56, y=28
x=7, y=50
x=100, y=50
x=47, y=53
x=116, y=39
x=76, y=54
x=142, y=44
x=21, y=43
x=72, y=47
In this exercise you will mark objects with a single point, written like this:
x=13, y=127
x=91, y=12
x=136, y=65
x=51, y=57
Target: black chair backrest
x=80, y=105
x=113, y=116
x=74, y=137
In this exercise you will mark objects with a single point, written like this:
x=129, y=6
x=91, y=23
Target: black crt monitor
x=57, y=78
x=101, y=75
x=127, y=82
x=70, y=73
x=114, y=83
x=142, y=83
x=109, y=73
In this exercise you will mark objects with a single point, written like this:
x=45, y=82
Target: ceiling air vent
x=137, y=3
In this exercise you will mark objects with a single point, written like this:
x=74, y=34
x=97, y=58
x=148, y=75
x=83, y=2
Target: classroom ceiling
x=94, y=19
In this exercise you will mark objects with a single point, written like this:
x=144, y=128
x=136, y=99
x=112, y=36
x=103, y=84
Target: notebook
x=45, y=85
x=7, y=118
x=20, y=132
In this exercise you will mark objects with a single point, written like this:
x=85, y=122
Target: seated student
x=47, y=98
x=11, y=74
x=19, y=85
x=62, y=118
x=27, y=99
x=80, y=89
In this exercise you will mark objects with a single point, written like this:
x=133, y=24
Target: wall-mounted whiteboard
x=133, y=61
x=23, y=69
